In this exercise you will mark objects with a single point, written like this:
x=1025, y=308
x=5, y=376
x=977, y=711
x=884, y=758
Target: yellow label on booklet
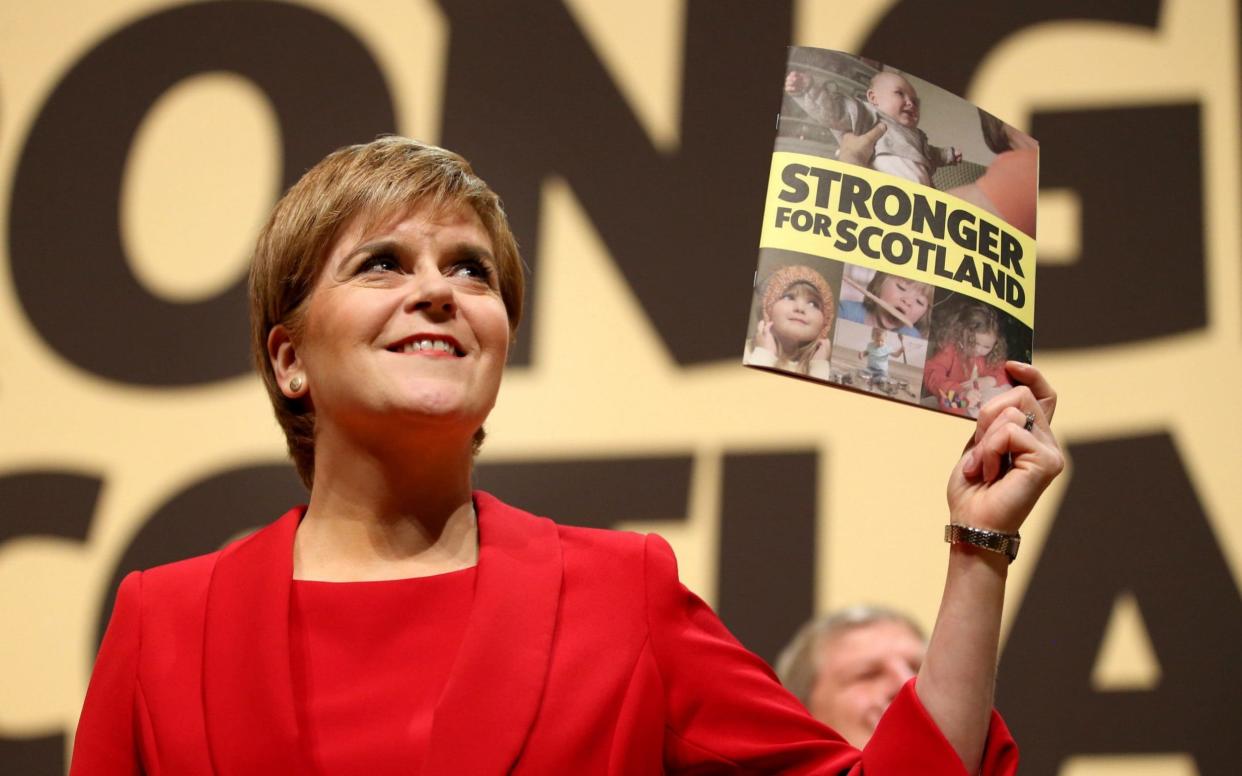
x=841, y=211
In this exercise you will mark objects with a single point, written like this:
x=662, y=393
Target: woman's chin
x=435, y=413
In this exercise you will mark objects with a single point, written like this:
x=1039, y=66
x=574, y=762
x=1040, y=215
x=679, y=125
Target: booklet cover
x=897, y=255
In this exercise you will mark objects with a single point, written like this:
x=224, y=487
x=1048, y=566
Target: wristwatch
x=993, y=541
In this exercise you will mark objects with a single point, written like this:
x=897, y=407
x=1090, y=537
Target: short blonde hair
x=373, y=181
x=799, y=662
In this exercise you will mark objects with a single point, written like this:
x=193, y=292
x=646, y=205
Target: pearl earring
x=295, y=384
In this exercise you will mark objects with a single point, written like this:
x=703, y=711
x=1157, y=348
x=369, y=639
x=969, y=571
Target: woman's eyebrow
x=382, y=245
x=471, y=250
x=458, y=251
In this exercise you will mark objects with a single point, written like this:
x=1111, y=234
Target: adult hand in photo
x=858, y=149
x=983, y=491
x=797, y=82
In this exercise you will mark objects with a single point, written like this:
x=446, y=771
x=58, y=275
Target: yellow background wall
x=204, y=168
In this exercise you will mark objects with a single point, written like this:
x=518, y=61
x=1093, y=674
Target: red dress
x=582, y=653
x=367, y=674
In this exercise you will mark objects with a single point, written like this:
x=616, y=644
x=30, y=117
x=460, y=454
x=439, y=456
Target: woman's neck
x=392, y=513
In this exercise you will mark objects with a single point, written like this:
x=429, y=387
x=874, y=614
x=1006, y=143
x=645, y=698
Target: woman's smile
x=428, y=345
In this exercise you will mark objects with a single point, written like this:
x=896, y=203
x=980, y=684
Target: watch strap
x=993, y=541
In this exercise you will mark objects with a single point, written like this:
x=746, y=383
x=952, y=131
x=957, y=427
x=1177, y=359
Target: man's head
x=847, y=667
x=892, y=95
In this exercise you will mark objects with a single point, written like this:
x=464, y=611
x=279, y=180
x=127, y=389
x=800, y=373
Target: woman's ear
x=286, y=365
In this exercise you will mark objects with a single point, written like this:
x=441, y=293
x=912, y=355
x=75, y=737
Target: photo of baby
x=891, y=302
x=921, y=132
x=903, y=149
x=793, y=314
x=970, y=343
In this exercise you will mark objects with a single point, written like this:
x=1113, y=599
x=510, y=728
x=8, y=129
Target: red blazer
x=583, y=655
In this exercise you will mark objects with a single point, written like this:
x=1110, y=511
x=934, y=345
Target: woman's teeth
x=421, y=345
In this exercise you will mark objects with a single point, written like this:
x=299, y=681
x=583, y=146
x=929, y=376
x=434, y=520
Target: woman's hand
x=764, y=337
x=1006, y=467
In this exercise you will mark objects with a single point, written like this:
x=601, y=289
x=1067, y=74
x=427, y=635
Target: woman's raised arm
x=1008, y=463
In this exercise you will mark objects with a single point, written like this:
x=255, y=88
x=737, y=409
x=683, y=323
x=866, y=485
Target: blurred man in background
x=846, y=666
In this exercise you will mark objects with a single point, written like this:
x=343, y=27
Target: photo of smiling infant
x=868, y=113
x=890, y=99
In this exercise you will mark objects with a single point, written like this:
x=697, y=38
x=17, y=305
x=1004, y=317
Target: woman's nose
x=431, y=292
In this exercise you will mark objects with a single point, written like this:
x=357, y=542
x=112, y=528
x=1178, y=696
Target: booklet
x=897, y=255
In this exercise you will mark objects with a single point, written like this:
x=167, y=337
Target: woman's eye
x=473, y=270
x=381, y=262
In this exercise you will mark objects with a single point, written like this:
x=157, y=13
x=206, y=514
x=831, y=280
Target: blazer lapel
x=493, y=693
x=247, y=679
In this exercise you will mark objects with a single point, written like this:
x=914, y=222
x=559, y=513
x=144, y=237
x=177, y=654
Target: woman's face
x=406, y=321
x=797, y=316
x=908, y=297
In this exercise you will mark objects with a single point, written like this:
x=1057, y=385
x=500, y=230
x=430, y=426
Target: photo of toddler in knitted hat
x=795, y=311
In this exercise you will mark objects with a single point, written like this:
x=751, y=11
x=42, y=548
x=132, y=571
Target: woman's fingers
x=1028, y=375
x=1010, y=460
x=1007, y=440
x=1019, y=398
x=997, y=447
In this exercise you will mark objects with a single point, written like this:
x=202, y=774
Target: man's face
x=861, y=669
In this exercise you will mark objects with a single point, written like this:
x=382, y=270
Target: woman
x=401, y=624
